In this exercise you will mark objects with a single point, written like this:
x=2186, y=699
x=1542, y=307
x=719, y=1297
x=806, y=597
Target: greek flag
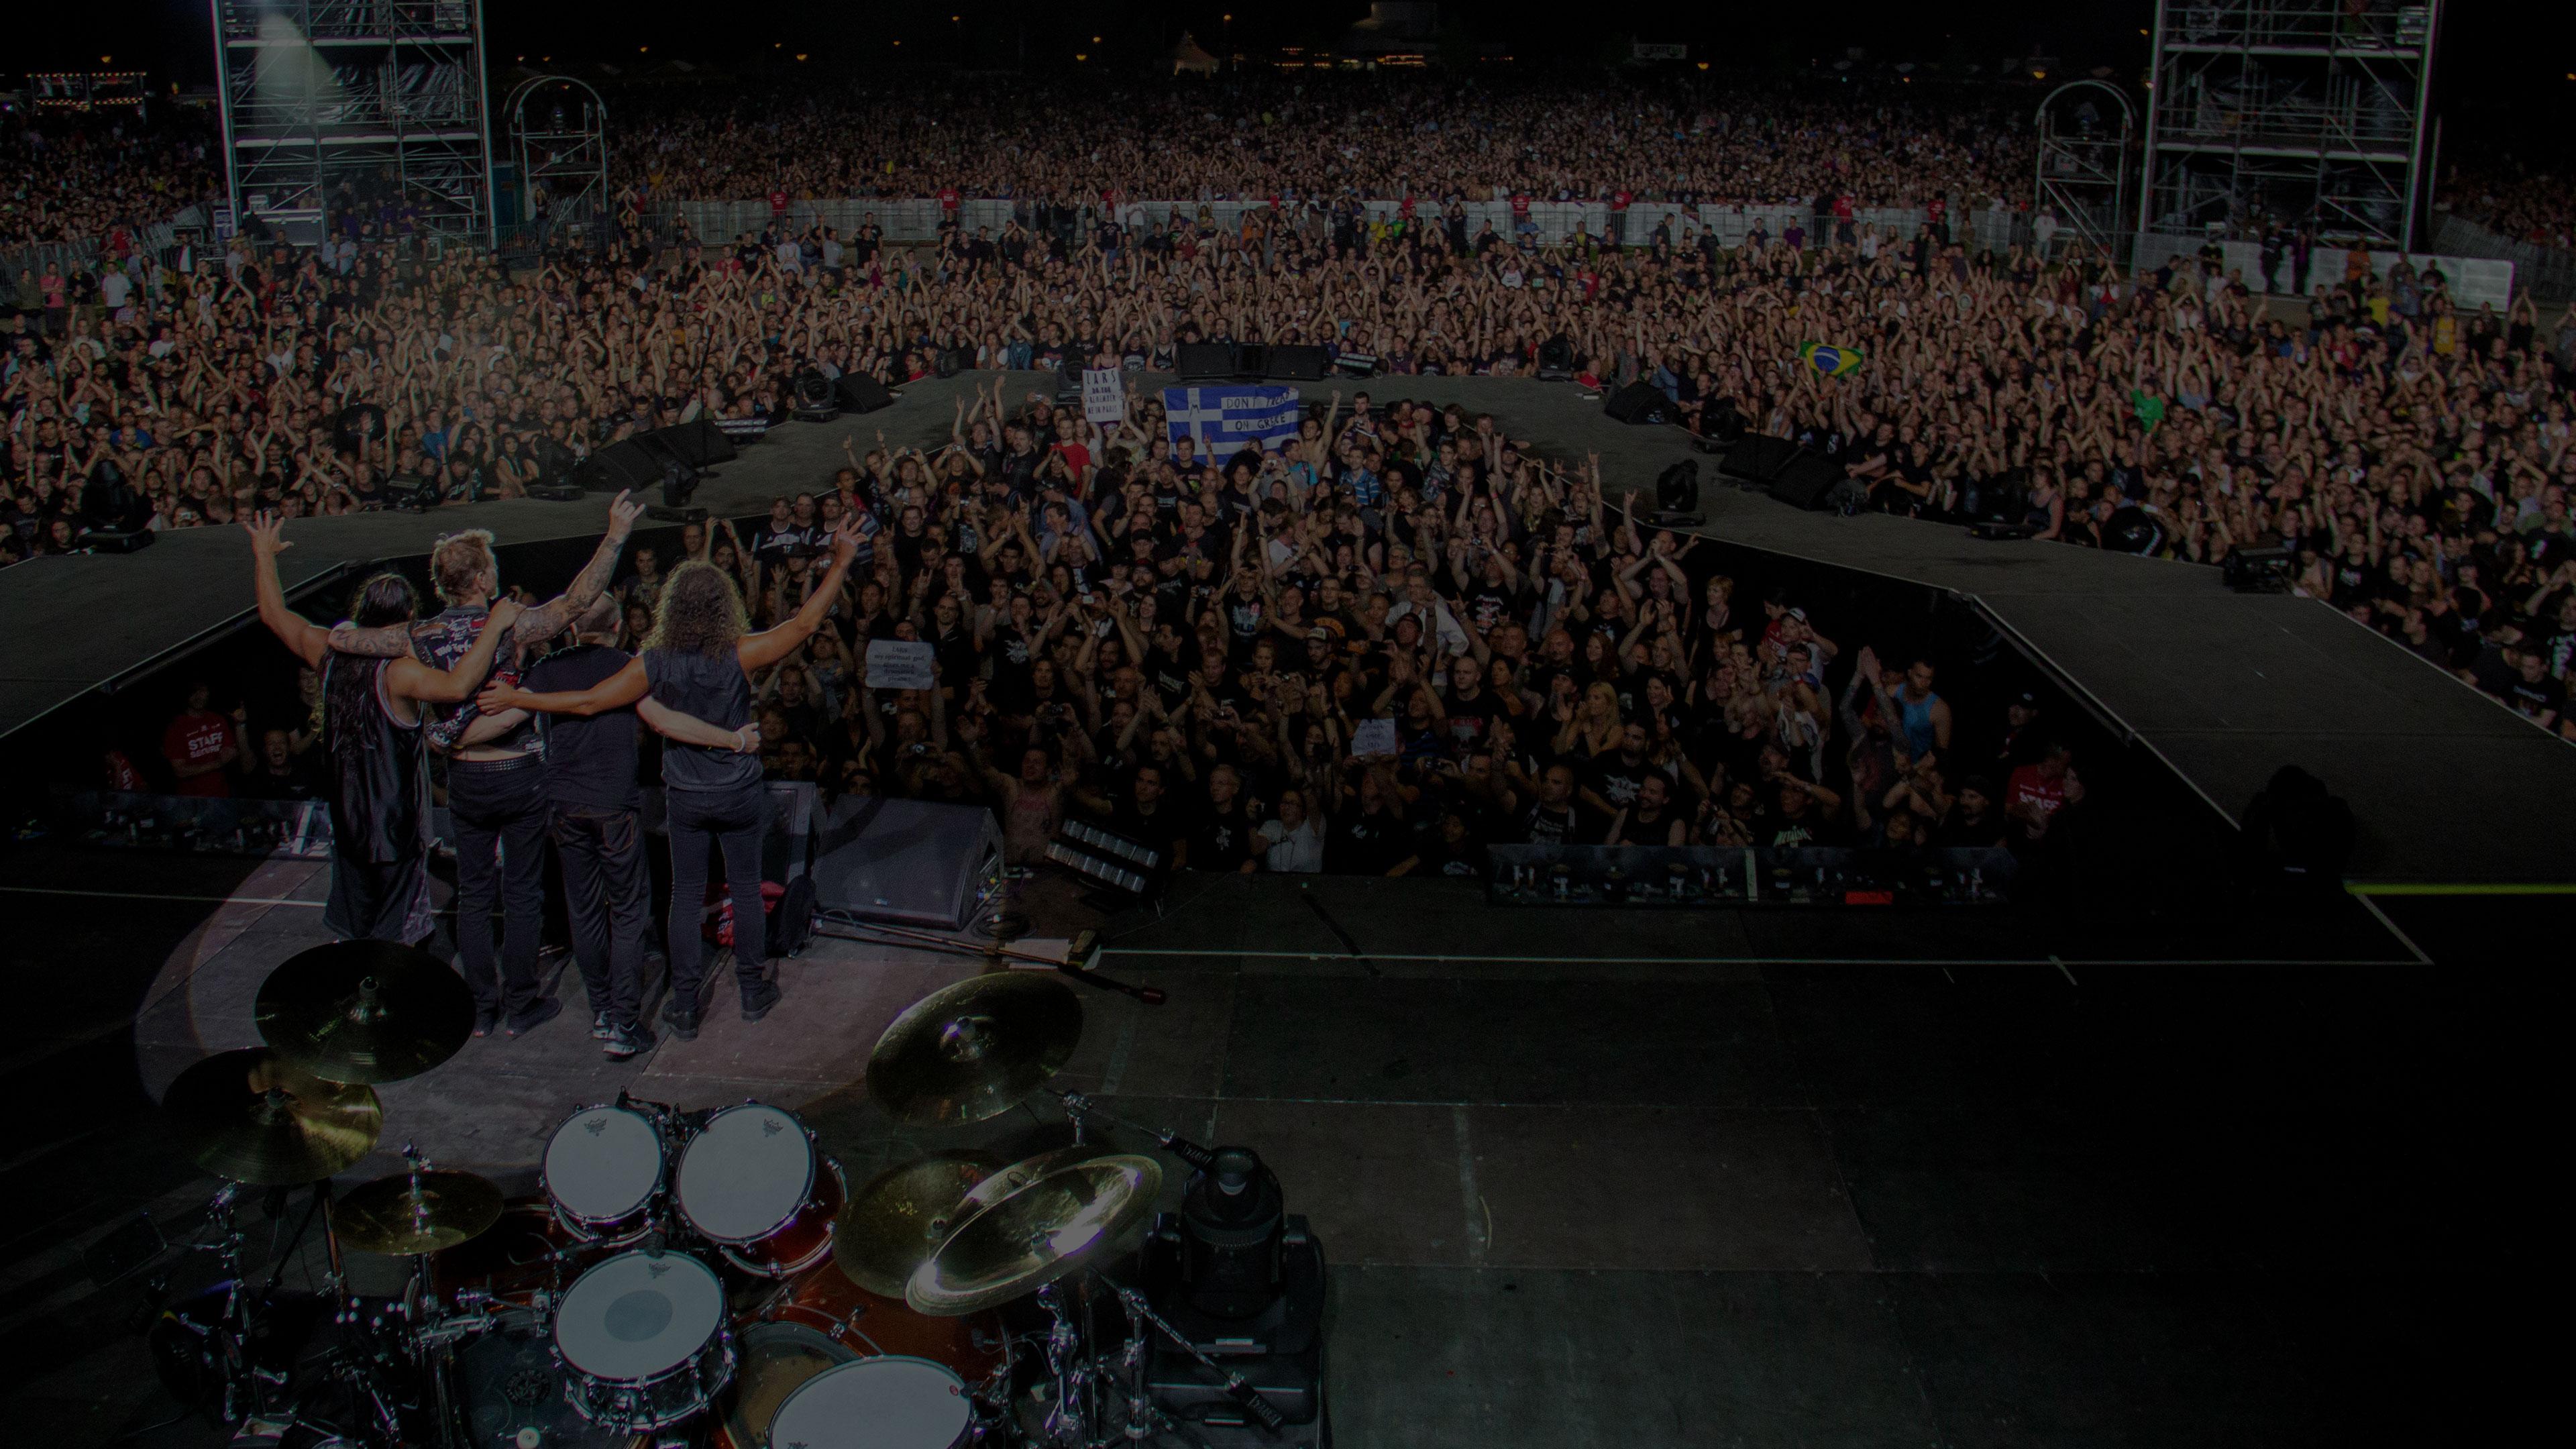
x=1223, y=419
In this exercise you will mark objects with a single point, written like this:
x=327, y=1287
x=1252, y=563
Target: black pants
x=608, y=897
x=701, y=824
x=500, y=812
x=379, y=900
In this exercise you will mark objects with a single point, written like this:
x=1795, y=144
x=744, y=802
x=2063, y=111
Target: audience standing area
x=2448, y=787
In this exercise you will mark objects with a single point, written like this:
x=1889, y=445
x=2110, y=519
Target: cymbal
x=1032, y=1237
x=413, y=1213
x=890, y=1227
x=253, y=1117
x=365, y=1011
x=975, y=1049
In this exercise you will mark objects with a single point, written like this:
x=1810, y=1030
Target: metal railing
x=2547, y=272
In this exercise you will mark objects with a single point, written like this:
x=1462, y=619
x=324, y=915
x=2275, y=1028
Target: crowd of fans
x=2521, y=203
x=103, y=179
x=2413, y=455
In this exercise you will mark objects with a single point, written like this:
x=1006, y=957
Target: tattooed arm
x=548, y=619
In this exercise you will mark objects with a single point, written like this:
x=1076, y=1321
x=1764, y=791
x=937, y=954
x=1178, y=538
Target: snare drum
x=643, y=1341
x=752, y=1183
x=604, y=1172
x=877, y=1403
x=819, y=1320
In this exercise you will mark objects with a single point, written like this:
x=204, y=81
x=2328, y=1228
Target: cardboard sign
x=1104, y=397
x=1373, y=737
x=901, y=664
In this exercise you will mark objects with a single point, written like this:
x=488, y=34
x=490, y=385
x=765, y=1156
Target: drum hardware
x=419, y=1211
x=1083, y=948
x=365, y=1011
x=1061, y=1219
x=890, y=1227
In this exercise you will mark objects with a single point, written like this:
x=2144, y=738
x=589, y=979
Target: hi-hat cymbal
x=975, y=1049
x=1056, y=1224
x=890, y=1227
x=255, y=1118
x=412, y=1213
x=365, y=1011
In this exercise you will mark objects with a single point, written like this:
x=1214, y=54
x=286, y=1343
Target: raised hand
x=623, y=510
x=266, y=530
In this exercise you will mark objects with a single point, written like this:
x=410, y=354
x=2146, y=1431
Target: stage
x=2449, y=787
x=1807, y=1177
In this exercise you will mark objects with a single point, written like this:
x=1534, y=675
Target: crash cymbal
x=890, y=1227
x=975, y=1049
x=255, y=1118
x=1049, y=1228
x=365, y=1011
x=411, y=1213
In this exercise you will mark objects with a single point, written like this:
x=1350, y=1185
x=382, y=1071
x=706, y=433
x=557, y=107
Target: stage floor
x=1591, y=1177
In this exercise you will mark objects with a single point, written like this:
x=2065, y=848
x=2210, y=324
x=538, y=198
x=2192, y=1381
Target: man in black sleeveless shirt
x=380, y=785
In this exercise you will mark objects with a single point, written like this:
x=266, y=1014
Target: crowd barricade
x=84, y=252
x=2475, y=281
x=2547, y=272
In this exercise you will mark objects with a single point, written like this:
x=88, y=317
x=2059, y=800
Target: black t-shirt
x=1364, y=844
x=588, y=761
x=1221, y=839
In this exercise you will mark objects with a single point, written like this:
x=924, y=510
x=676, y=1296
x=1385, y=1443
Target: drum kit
x=708, y=1279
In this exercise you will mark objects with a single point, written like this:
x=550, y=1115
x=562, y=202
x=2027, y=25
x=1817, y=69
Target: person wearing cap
x=2021, y=732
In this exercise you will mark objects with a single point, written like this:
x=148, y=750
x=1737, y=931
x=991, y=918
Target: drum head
x=639, y=1314
x=746, y=1173
x=878, y=1403
x=776, y=1360
x=603, y=1162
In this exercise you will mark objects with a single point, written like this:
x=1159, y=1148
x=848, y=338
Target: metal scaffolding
x=2306, y=111
x=331, y=105
x=559, y=134
x=2083, y=171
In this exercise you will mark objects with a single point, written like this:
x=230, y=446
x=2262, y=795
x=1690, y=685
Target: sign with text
x=1372, y=738
x=901, y=664
x=1104, y=398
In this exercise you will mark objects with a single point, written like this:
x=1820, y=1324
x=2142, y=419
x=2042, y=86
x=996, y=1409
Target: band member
x=372, y=710
x=495, y=782
x=591, y=794
x=698, y=662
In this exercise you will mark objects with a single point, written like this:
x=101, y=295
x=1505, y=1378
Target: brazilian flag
x=1831, y=360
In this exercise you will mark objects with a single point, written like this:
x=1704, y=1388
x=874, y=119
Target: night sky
x=2505, y=72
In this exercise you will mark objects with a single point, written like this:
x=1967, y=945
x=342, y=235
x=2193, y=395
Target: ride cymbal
x=251, y=1116
x=890, y=1227
x=1036, y=1235
x=975, y=1049
x=365, y=1011
x=411, y=1213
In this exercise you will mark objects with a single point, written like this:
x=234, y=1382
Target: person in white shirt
x=1296, y=843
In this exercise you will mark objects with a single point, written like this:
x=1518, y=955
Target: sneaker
x=625, y=1041
x=538, y=1015
x=600, y=1030
x=756, y=1004
x=683, y=1024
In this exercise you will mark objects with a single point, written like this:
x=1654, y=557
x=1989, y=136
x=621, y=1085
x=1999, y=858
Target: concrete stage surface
x=2448, y=786
x=1586, y=1178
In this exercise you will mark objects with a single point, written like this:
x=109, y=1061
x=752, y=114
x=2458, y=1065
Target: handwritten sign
x=1372, y=738
x=1104, y=398
x=901, y=664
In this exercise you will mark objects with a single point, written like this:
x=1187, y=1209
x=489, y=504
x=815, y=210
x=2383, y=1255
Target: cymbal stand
x=1081, y=1110
x=1236, y=1386
x=1066, y=1364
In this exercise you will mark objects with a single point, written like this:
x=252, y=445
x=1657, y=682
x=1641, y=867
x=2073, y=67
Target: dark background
x=2507, y=70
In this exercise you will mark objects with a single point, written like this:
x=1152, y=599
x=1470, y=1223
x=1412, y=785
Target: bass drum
x=821, y=1320
x=510, y=1391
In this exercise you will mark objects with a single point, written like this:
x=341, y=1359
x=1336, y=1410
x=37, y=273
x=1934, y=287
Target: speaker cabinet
x=906, y=861
x=1757, y=457
x=700, y=443
x=1203, y=362
x=861, y=394
x=1639, y=403
x=1806, y=480
x=1299, y=364
x=620, y=467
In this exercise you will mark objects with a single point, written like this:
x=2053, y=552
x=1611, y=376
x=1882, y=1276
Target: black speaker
x=673, y=474
x=1721, y=421
x=700, y=443
x=861, y=394
x=100, y=540
x=1252, y=361
x=620, y=467
x=1555, y=359
x=906, y=861
x=1299, y=364
x=954, y=360
x=1806, y=480
x=1203, y=362
x=1757, y=457
x=1639, y=402
x=1677, y=487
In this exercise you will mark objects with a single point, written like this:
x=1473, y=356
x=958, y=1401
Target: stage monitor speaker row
x=1757, y=457
x=1807, y=480
x=1203, y=362
x=700, y=443
x=906, y=861
x=1299, y=364
x=861, y=394
x=1639, y=402
x=620, y=467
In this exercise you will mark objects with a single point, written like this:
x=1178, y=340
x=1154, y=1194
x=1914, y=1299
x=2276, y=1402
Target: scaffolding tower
x=2085, y=130
x=355, y=105
x=2309, y=112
